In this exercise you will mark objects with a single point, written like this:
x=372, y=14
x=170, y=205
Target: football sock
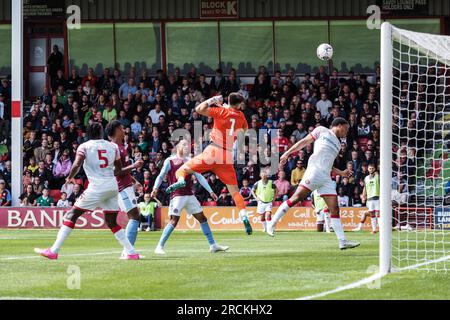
x=63, y=233
x=264, y=223
x=132, y=230
x=239, y=201
x=207, y=232
x=374, y=221
x=327, y=223
x=360, y=225
x=165, y=235
x=285, y=206
x=337, y=227
x=120, y=235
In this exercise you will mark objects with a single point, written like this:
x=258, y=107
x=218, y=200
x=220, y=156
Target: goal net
x=416, y=147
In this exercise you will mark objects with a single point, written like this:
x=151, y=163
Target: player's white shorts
x=95, y=197
x=373, y=205
x=320, y=182
x=264, y=207
x=190, y=203
x=127, y=200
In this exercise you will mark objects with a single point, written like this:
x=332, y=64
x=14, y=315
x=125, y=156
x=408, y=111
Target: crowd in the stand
x=151, y=107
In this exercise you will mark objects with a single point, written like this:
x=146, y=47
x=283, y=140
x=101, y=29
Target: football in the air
x=325, y=52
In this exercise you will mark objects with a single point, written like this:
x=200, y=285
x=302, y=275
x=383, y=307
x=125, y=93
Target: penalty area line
x=370, y=279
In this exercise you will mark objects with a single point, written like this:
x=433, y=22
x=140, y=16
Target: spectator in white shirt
x=63, y=202
x=343, y=199
x=324, y=105
x=2, y=106
x=156, y=113
x=243, y=92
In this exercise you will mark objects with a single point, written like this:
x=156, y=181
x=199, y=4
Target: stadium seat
x=55, y=194
x=210, y=204
x=277, y=203
x=436, y=169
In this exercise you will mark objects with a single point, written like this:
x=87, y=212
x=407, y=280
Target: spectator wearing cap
x=225, y=199
x=5, y=195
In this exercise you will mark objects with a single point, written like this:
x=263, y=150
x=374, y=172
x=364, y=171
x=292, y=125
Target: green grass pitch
x=293, y=265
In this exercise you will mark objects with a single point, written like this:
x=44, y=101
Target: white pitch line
x=32, y=298
x=175, y=251
x=344, y=288
x=370, y=279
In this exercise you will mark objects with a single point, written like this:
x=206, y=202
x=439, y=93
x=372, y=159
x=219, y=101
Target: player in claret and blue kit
x=127, y=196
x=184, y=198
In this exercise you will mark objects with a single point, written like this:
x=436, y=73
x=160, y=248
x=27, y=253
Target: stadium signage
x=44, y=9
x=48, y=218
x=219, y=9
x=403, y=7
x=442, y=218
x=298, y=218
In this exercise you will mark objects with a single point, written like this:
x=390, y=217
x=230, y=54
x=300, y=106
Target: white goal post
x=415, y=148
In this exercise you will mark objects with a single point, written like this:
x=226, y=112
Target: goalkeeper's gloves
x=216, y=100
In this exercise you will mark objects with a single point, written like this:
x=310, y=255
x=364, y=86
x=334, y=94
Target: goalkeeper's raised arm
x=204, y=107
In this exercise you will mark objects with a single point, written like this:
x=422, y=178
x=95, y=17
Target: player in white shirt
x=318, y=176
x=101, y=162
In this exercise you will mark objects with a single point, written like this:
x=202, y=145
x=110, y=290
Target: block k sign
x=216, y=9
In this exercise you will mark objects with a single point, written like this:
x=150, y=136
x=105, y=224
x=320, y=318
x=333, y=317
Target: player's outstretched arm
x=204, y=107
x=201, y=179
x=296, y=147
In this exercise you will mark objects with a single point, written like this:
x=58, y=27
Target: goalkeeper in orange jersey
x=217, y=158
